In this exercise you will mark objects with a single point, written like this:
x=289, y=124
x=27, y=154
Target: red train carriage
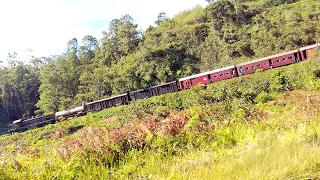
x=207, y=77
x=285, y=58
x=251, y=66
x=266, y=63
x=223, y=73
x=305, y=51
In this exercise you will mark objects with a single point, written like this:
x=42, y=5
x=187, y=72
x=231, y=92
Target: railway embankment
x=261, y=126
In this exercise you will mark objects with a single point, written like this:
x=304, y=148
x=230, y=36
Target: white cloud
x=45, y=26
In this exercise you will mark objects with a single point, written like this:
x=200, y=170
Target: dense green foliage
x=240, y=128
x=19, y=91
x=223, y=33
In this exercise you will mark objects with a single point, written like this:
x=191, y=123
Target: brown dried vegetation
x=109, y=120
x=120, y=140
x=306, y=101
x=59, y=133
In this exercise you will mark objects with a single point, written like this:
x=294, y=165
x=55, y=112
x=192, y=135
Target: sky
x=43, y=27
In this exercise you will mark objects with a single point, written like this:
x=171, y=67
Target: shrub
x=263, y=97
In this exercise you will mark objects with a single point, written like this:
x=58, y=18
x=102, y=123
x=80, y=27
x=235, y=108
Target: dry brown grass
x=131, y=135
x=307, y=102
x=109, y=120
x=59, y=133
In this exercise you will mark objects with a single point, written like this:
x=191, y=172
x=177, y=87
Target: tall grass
x=261, y=126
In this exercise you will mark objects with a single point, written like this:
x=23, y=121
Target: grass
x=262, y=126
x=277, y=146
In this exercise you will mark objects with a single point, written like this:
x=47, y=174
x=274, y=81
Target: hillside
x=259, y=126
x=125, y=59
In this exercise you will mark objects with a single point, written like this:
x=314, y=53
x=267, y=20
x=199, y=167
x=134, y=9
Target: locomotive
x=204, y=78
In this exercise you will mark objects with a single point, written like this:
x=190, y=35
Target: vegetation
x=125, y=59
x=264, y=125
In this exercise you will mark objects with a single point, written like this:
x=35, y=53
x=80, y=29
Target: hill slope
x=264, y=125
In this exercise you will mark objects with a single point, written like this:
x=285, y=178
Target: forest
x=225, y=32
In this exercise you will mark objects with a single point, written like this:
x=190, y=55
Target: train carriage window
x=277, y=61
x=221, y=74
x=246, y=68
x=258, y=65
x=290, y=57
x=283, y=59
x=265, y=63
x=216, y=75
x=227, y=73
x=205, y=77
x=252, y=67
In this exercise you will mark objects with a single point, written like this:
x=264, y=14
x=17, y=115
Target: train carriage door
x=270, y=63
x=193, y=82
x=209, y=79
x=187, y=84
x=240, y=70
x=304, y=54
x=296, y=57
x=181, y=84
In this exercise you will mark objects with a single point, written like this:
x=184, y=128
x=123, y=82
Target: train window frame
x=290, y=58
x=246, y=68
x=227, y=73
x=215, y=75
x=252, y=67
x=258, y=65
x=283, y=59
x=222, y=74
x=276, y=61
x=265, y=63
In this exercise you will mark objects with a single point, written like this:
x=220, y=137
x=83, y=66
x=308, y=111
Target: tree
x=89, y=50
x=162, y=16
x=19, y=91
x=121, y=39
x=60, y=81
x=49, y=89
x=279, y=2
x=72, y=45
x=221, y=12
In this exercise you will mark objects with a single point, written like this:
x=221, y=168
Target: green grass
x=262, y=126
x=278, y=145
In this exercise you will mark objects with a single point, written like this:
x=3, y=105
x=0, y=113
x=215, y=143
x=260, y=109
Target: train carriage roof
x=172, y=82
x=206, y=73
x=139, y=90
x=107, y=98
x=268, y=57
x=31, y=119
x=309, y=47
x=16, y=122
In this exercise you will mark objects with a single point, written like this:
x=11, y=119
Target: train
x=205, y=78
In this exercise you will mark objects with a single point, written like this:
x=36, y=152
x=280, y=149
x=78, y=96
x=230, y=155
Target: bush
x=263, y=97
